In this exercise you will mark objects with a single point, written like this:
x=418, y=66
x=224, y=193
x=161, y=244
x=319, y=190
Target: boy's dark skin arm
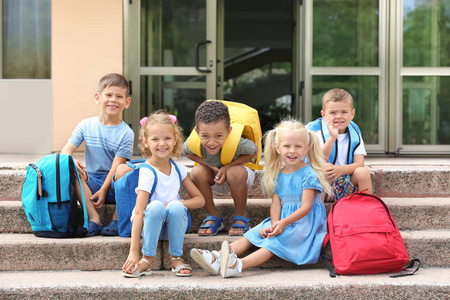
x=220, y=173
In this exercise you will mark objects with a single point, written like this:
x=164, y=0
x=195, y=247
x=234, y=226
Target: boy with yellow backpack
x=226, y=146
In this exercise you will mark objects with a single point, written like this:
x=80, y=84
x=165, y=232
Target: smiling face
x=340, y=113
x=292, y=146
x=160, y=139
x=212, y=135
x=112, y=100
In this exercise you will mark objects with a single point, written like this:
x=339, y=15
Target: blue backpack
x=126, y=195
x=49, y=198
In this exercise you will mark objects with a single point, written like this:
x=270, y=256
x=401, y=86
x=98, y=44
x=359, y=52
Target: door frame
x=133, y=70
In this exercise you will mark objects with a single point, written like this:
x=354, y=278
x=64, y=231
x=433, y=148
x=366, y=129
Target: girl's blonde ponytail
x=316, y=160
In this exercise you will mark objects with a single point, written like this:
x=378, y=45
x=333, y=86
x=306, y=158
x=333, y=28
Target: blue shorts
x=95, y=182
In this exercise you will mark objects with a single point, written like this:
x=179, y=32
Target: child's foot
x=179, y=267
x=209, y=261
x=230, y=265
x=211, y=225
x=240, y=225
x=144, y=268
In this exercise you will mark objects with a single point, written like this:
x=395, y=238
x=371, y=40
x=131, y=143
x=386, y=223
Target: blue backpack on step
x=126, y=195
x=49, y=198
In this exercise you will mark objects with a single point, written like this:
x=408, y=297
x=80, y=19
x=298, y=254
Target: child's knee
x=155, y=209
x=201, y=174
x=121, y=171
x=236, y=175
x=176, y=208
x=362, y=173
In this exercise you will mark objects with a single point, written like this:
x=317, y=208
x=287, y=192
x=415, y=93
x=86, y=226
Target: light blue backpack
x=49, y=198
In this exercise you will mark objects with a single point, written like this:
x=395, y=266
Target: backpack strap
x=410, y=265
x=179, y=175
x=142, y=164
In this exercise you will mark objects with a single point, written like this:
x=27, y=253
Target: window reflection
x=426, y=110
x=426, y=33
x=26, y=39
x=345, y=33
x=364, y=90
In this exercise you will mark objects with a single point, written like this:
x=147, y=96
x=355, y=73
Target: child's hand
x=276, y=229
x=332, y=172
x=100, y=195
x=81, y=169
x=220, y=176
x=265, y=232
x=132, y=263
x=332, y=127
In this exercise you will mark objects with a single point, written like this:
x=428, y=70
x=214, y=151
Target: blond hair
x=274, y=162
x=337, y=95
x=158, y=118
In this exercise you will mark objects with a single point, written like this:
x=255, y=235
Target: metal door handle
x=197, y=56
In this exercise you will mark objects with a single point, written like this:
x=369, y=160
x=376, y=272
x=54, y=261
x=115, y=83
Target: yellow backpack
x=244, y=121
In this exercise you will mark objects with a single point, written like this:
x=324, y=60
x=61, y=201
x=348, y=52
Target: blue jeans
x=168, y=224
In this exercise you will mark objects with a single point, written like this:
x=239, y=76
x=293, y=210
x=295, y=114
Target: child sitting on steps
x=297, y=224
x=164, y=216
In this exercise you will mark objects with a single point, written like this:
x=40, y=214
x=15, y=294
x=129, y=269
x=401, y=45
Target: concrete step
x=25, y=252
x=388, y=181
x=432, y=283
x=409, y=213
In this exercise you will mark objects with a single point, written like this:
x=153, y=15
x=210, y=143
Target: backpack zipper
x=58, y=182
x=39, y=176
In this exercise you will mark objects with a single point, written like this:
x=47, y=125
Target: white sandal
x=205, y=260
x=180, y=267
x=136, y=273
x=227, y=260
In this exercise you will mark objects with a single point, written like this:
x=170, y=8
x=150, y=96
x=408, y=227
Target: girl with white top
x=164, y=216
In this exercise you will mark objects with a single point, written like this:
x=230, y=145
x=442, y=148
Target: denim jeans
x=168, y=224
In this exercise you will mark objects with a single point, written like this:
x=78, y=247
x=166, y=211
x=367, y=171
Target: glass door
x=170, y=55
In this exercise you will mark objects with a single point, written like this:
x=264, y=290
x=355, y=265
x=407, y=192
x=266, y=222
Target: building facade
x=279, y=57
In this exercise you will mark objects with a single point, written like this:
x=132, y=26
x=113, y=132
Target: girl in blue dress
x=297, y=224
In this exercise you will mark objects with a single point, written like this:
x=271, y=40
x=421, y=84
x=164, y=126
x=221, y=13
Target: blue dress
x=301, y=241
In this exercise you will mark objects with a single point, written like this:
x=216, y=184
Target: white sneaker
x=227, y=260
x=205, y=260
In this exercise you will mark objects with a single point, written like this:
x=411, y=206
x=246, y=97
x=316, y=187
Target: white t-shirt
x=342, y=140
x=167, y=188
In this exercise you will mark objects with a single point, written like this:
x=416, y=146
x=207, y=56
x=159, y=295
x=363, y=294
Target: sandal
x=136, y=273
x=218, y=225
x=93, y=229
x=181, y=267
x=205, y=260
x=246, y=227
x=111, y=229
x=229, y=259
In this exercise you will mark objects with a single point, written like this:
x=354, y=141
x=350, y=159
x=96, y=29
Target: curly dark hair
x=212, y=111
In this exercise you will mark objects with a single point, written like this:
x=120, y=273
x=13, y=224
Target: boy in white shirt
x=342, y=145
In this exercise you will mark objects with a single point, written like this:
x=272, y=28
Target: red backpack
x=364, y=237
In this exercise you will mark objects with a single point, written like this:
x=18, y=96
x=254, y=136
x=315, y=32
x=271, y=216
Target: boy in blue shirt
x=342, y=145
x=109, y=143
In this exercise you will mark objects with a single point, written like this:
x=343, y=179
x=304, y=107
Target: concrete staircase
x=417, y=191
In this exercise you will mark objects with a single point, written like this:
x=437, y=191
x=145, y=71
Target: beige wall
x=87, y=43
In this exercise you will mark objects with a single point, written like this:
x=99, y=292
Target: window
x=25, y=39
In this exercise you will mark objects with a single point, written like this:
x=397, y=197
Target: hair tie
x=173, y=118
x=143, y=120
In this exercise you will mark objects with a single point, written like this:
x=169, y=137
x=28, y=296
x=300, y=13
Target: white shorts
x=225, y=188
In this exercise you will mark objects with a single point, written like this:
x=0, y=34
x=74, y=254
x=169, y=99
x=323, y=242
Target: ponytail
x=272, y=160
x=316, y=160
